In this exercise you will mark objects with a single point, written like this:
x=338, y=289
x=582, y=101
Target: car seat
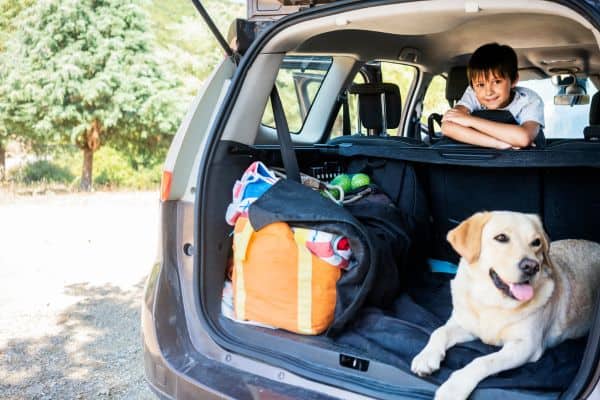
x=592, y=132
x=379, y=106
x=456, y=84
x=375, y=114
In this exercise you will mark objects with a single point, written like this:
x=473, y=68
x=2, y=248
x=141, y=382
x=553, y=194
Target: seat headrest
x=456, y=84
x=369, y=103
x=595, y=110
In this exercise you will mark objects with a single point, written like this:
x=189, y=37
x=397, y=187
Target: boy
x=492, y=73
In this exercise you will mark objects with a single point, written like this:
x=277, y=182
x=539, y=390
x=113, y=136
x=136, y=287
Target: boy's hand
x=458, y=115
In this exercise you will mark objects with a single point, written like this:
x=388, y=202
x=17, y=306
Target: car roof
x=549, y=38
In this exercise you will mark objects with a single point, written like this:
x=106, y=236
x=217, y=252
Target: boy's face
x=492, y=89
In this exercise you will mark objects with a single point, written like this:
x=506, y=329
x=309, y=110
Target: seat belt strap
x=346, y=115
x=288, y=155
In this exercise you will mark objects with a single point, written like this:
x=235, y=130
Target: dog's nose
x=529, y=267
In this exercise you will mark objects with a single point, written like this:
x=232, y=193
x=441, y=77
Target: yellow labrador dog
x=512, y=289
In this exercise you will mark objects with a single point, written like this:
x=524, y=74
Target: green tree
x=83, y=71
x=9, y=17
x=184, y=40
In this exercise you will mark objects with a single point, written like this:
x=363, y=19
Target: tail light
x=165, y=185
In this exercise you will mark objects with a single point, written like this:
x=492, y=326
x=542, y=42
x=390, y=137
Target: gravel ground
x=72, y=271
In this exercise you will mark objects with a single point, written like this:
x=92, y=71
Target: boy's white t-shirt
x=526, y=105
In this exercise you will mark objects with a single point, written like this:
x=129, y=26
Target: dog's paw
x=426, y=362
x=455, y=388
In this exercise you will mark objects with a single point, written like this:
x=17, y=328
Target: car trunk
x=372, y=354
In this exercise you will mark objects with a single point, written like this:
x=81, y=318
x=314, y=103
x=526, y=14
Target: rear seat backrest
x=457, y=192
x=572, y=195
x=592, y=132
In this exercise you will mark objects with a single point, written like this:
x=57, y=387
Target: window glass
x=561, y=121
x=399, y=74
x=338, y=125
x=435, y=98
x=403, y=76
x=298, y=82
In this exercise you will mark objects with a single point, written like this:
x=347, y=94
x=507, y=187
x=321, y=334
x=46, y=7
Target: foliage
x=435, y=98
x=114, y=169
x=42, y=171
x=84, y=72
x=185, y=42
x=9, y=12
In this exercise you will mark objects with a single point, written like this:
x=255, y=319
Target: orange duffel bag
x=277, y=281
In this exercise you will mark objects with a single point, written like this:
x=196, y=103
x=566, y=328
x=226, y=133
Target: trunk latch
x=354, y=362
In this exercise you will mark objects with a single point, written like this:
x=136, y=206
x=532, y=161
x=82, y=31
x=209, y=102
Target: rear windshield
x=298, y=81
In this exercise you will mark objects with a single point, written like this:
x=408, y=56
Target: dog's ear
x=466, y=237
x=543, y=235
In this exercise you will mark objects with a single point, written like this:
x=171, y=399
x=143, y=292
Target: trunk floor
x=396, y=335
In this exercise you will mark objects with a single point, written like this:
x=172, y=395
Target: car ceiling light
x=472, y=6
x=340, y=21
x=559, y=61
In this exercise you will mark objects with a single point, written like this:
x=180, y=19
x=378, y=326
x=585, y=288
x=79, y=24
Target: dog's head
x=510, y=248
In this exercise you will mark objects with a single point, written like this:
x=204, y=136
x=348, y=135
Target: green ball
x=344, y=181
x=359, y=180
x=334, y=192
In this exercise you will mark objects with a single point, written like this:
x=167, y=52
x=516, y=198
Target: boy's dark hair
x=494, y=59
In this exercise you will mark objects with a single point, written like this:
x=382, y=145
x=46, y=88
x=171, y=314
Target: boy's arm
x=515, y=135
x=471, y=136
x=465, y=134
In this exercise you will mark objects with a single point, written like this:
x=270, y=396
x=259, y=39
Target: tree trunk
x=86, y=172
x=2, y=162
x=92, y=143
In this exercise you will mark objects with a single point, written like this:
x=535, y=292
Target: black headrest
x=502, y=116
x=592, y=133
x=595, y=110
x=369, y=103
x=456, y=84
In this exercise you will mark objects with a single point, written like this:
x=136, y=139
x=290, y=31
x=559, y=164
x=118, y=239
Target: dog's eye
x=536, y=243
x=502, y=238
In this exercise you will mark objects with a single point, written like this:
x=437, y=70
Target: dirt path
x=72, y=270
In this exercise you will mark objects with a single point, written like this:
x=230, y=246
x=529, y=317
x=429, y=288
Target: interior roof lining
x=458, y=32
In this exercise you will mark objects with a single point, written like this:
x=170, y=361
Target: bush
x=113, y=169
x=43, y=171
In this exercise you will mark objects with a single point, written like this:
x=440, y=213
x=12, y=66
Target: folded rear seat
x=457, y=192
x=572, y=195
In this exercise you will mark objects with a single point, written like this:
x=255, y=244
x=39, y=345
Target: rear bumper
x=175, y=370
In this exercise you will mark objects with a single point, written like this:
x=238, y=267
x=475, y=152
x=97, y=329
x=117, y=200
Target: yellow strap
x=240, y=241
x=304, y=282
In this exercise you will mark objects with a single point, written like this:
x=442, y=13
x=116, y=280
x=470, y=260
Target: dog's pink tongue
x=521, y=291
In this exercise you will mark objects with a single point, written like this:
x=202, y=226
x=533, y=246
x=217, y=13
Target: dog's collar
x=500, y=284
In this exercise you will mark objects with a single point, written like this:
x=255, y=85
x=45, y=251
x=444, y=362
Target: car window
x=561, y=121
x=338, y=125
x=298, y=82
x=403, y=76
x=398, y=74
x=435, y=98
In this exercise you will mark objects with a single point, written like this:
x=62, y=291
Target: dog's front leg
x=444, y=337
x=462, y=382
